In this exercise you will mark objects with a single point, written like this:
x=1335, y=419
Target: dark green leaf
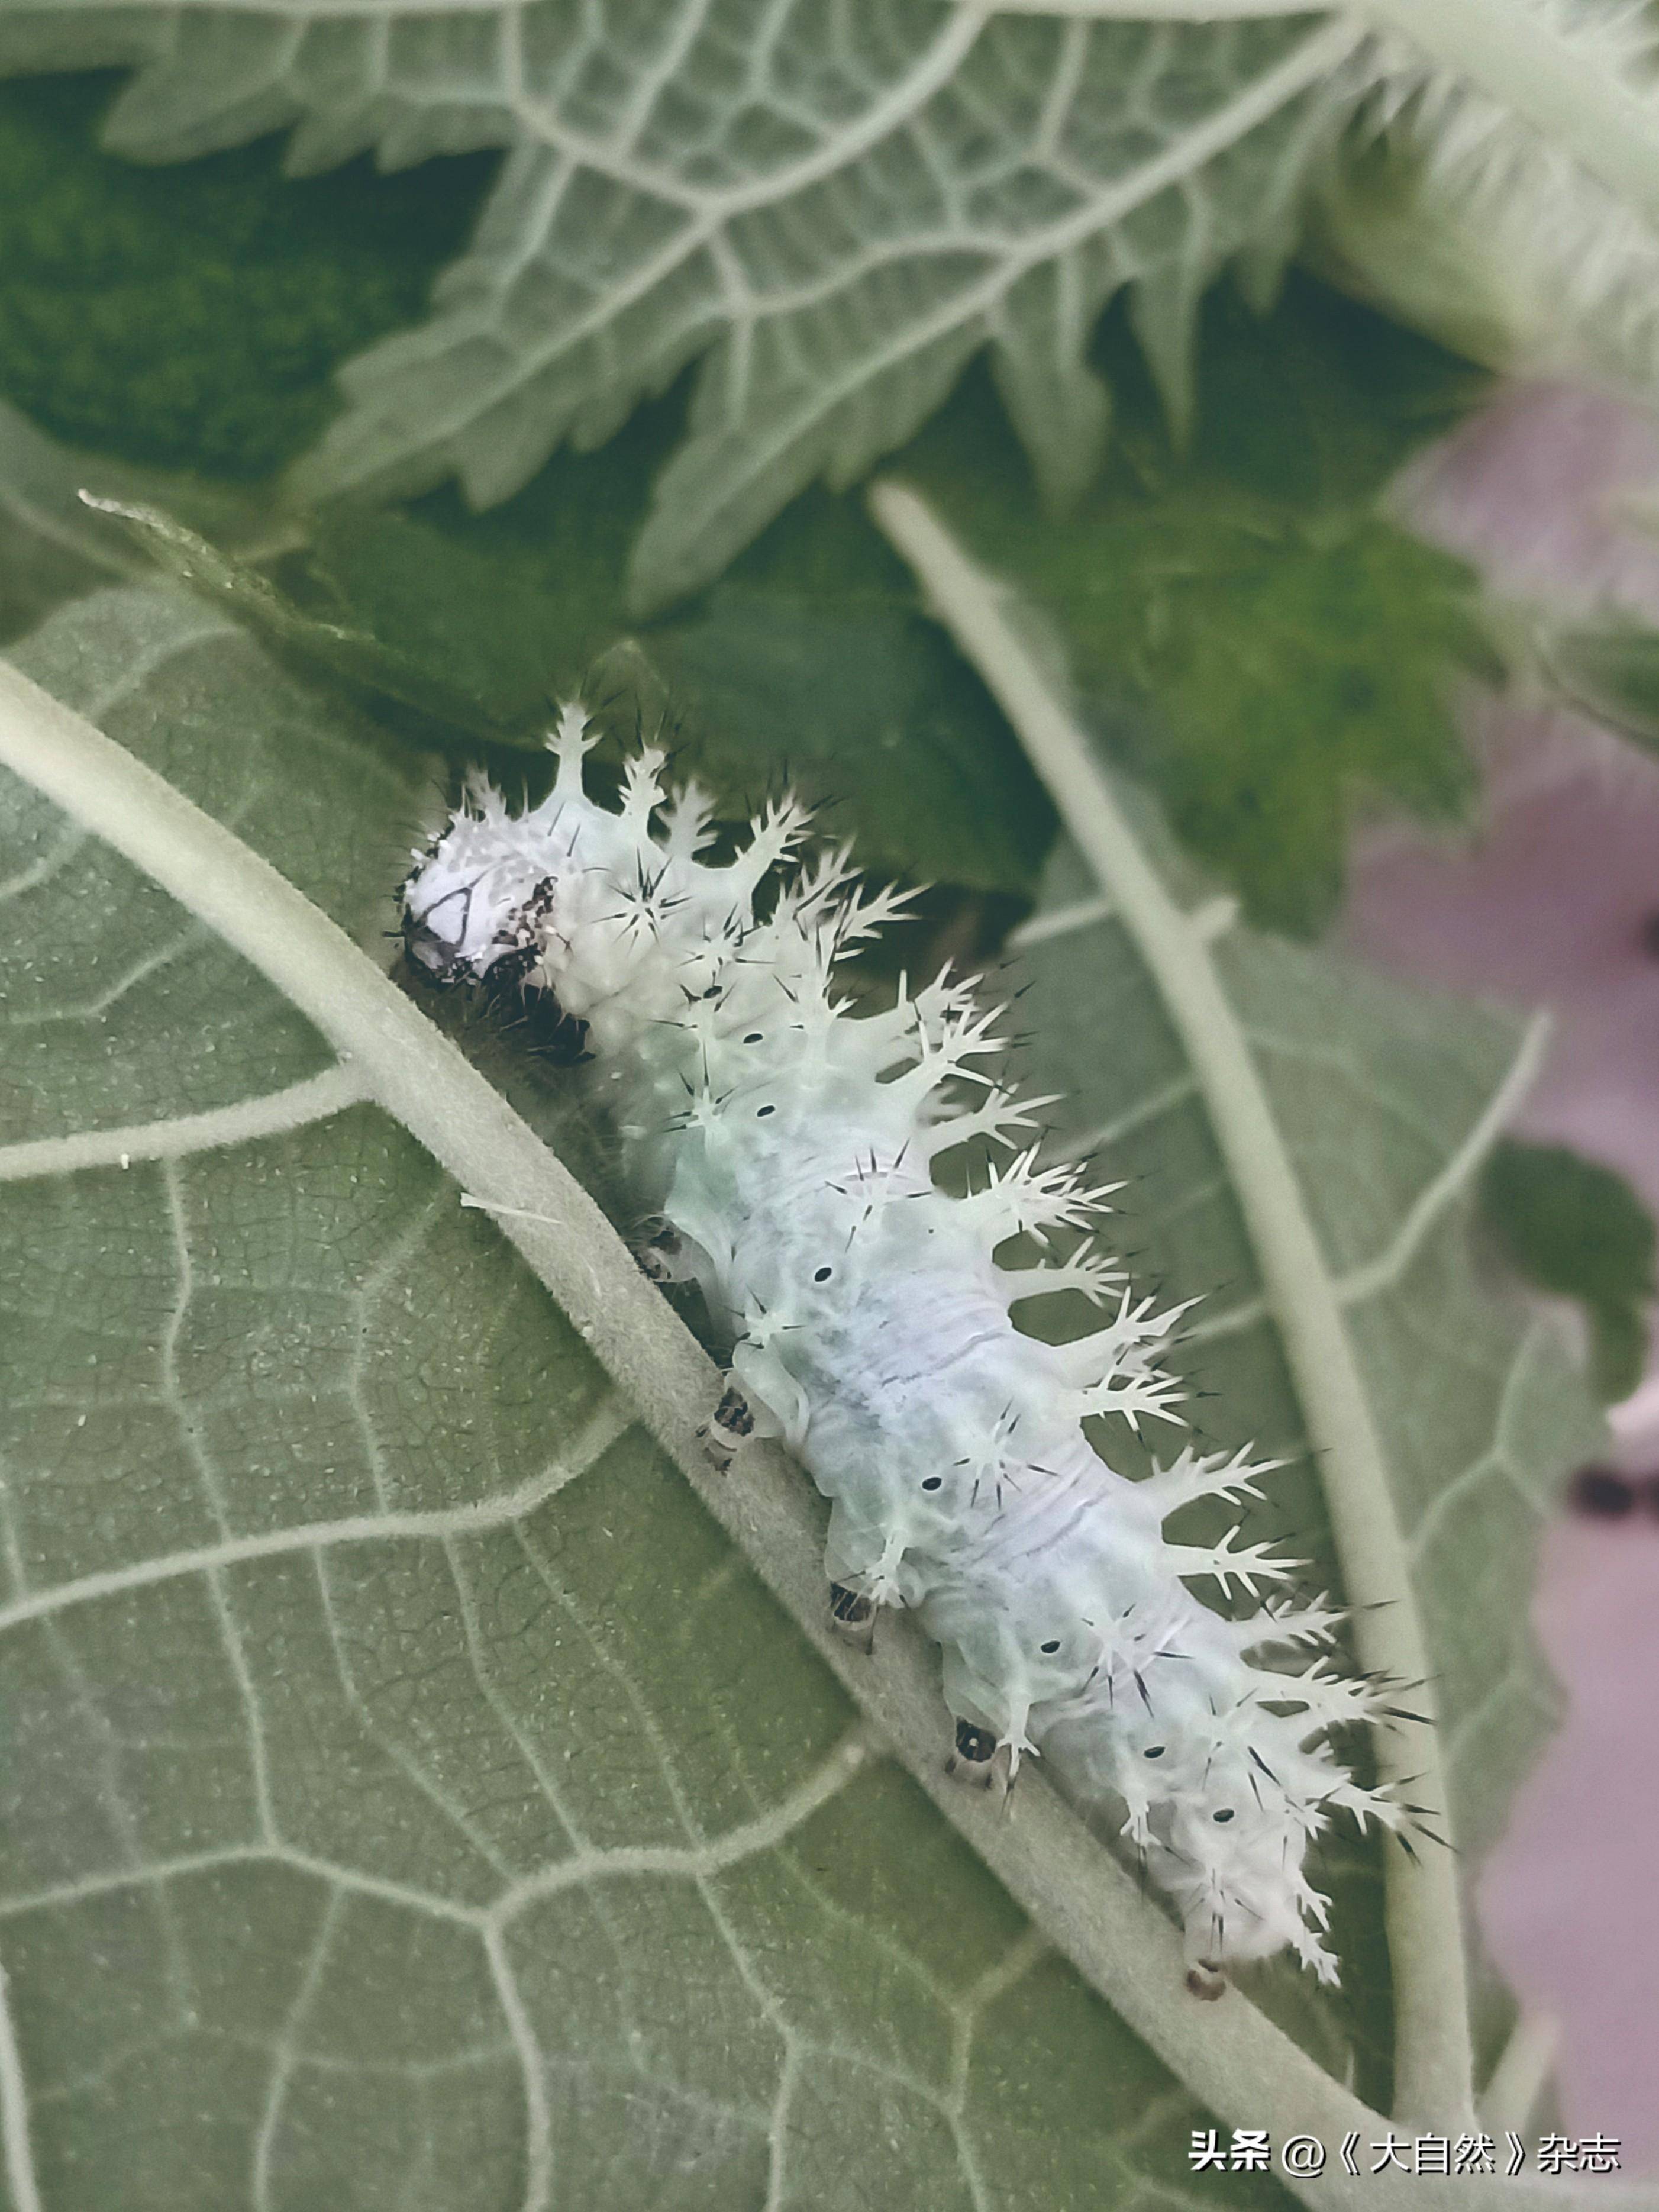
x=195, y=316
x=412, y=1801
x=1258, y=640
x=54, y=546
x=1264, y=646
x=810, y=658
x=1578, y=1230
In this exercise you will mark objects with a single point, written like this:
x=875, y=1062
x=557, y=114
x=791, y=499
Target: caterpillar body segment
x=783, y=1146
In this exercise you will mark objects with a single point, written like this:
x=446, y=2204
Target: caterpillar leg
x=979, y=1761
x=731, y=1425
x=660, y=1254
x=853, y=1615
x=1206, y=1979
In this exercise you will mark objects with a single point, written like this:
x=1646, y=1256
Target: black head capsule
x=433, y=938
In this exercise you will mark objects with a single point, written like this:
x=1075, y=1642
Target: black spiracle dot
x=1223, y=1816
x=761, y=1112
x=1051, y=1646
x=932, y=1482
x=755, y=1036
x=822, y=1275
x=1153, y=1751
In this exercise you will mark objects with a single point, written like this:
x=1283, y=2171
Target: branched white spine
x=788, y=1145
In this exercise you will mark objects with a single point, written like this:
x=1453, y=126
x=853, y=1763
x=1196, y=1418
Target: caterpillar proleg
x=785, y=1145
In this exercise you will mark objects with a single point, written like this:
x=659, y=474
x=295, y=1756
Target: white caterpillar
x=789, y=1145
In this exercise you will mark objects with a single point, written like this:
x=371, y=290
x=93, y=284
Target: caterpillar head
x=472, y=898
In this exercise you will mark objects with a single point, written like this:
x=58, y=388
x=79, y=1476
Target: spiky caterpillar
x=788, y=1145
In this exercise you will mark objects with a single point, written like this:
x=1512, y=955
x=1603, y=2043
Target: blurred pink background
x=1547, y=904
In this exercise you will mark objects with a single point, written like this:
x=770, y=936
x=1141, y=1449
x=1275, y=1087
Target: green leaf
x=194, y=318
x=837, y=232
x=477, y=1815
x=809, y=660
x=1578, y=1230
x=1300, y=1142
x=1258, y=641
x=412, y=1797
x=1266, y=648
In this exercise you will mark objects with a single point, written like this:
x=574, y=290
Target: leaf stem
x=1432, y=2053
x=1521, y=2074
x=17, y=2153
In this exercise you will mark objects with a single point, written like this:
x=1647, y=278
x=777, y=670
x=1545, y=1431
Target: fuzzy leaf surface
x=411, y=1796
x=834, y=211
x=839, y=220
